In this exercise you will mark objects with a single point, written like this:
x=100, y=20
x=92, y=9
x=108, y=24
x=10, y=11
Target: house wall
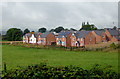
x=105, y=38
x=32, y=39
x=98, y=38
x=90, y=38
x=68, y=40
x=73, y=41
x=37, y=37
x=114, y=39
x=82, y=41
x=108, y=35
x=44, y=41
x=50, y=38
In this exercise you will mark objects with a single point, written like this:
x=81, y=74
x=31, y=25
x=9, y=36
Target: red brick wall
x=98, y=38
x=68, y=40
x=50, y=38
x=73, y=41
x=88, y=37
x=108, y=35
x=114, y=39
x=105, y=38
x=81, y=40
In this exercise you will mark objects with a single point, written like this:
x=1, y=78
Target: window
x=78, y=39
x=63, y=38
x=73, y=39
x=102, y=40
x=81, y=39
x=81, y=44
x=73, y=44
x=90, y=39
x=102, y=36
x=57, y=38
x=63, y=43
x=31, y=39
x=57, y=43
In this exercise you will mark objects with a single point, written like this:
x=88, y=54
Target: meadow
x=15, y=56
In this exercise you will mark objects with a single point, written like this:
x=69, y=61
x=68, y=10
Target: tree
x=73, y=29
x=52, y=30
x=42, y=30
x=88, y=26
x=114, y=27
x=58, y=29
x=14, y=34
x=26, y=31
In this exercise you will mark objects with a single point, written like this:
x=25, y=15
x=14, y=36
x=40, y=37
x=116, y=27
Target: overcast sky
x=34, y=15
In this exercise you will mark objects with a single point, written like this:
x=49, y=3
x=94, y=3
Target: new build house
x=63, y=38
x=100, y=36
x=111, y=34
x=71, y=38
x=46, y=38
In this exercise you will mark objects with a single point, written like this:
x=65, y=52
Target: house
x=115, y=39
x=110, y=33
x=46, y=38
x=78, y=39
x=63, y=38
x=90, y=38
x=26, y=37
x=100, y=36
x=31, y=37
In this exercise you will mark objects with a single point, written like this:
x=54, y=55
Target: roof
x=81, y=34
x=98, y=32
x=44, y=35
x=27, y=34
x=117, y=38
x=63, y=33
x=36, y=34
x=113, y=32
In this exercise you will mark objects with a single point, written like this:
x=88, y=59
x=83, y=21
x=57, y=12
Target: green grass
x=21, y=56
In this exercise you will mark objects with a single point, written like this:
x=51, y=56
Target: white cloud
x=34, y=15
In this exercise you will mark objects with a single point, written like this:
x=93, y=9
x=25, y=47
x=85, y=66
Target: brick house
x=26, y=37
x=100, y=36
x=46, y=38
x=115, y=39
x=90, y=38
x=63, y=38
x=78, y=39
x=110, y=33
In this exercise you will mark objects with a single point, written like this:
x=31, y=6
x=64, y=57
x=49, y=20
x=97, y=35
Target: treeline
x=15, y=34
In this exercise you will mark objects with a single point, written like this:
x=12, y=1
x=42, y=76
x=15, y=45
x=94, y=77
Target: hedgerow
x=43, y=71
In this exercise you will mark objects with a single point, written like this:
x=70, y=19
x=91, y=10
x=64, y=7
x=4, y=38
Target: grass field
x=15, y=56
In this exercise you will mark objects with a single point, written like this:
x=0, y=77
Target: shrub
x=42, y=71
x=113, y=46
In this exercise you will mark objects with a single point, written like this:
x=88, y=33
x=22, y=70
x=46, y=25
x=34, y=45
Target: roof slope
x=113, y=32
x=44, y=35
x=63, y=33
x=98, y=32
x=81, y=34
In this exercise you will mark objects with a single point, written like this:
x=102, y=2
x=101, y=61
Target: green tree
x=14, y=34
x=88, y=26
x=58, y=29
x=52, y=30
x=42, y=30
x=114, y=27
x=26, y=31
x=73, y=29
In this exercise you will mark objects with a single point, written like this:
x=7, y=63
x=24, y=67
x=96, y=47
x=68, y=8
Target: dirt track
x=9, y=41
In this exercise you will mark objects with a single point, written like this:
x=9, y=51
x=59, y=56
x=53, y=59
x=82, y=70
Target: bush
x=42, y=71
x=113, y=46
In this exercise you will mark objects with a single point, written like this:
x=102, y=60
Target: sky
x=35, y=15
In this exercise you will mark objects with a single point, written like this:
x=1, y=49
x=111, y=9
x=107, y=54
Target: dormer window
x=90, y=39
x=102, y=36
